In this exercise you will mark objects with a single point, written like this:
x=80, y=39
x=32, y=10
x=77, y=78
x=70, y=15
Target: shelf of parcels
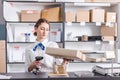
x=32, y=11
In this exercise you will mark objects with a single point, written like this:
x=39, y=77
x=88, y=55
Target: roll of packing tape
x=84, y=38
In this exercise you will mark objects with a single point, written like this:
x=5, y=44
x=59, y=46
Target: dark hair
x=41, y=20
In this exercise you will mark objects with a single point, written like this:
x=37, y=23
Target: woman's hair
x=39, y=22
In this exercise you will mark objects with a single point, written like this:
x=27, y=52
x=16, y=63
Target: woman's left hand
x=66, y=61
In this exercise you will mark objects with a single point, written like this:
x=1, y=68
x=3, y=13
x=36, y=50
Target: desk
x=44, y=76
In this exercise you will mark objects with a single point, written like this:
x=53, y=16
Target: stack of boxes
x=96, y=15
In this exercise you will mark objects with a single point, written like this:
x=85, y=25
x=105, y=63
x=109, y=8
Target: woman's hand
x=66, y=61
x=34, y=65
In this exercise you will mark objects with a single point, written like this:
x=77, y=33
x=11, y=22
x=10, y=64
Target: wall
x=2, y=23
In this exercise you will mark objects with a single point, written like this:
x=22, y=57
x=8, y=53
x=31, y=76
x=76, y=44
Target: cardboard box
x=64, y=53
x=110, y=54
x=110, y=17
x=108, y=38
x=88, y=58
x=2, y=57
x=52, y=14
x=72, y=54
x=107, y=31
x=30, y=15
x=98, y=15
x=83, y=16
x=69, y=16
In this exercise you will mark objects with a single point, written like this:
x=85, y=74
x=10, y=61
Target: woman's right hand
x=34, y=65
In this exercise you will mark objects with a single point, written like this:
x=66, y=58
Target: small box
x=84, y=38
x=107, y=38
x=111, y=17
x=83, y=16
x=107, y=31
x=69, y=16
x=30, y=15
x=98, y=15
x=110, y=54
x=52, y=14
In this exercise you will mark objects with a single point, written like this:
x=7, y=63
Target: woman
x=42, y=28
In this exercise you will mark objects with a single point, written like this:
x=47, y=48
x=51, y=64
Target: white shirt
x=47, y=61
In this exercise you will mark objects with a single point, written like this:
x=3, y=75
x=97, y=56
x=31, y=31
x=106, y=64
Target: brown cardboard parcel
x=110, y=17
x=69, y=16
x=52, y=14
x=108, y=38
x=71, y=54
x=83, y=16
x=64, y=53
x=107, y=31
x=30, y=15
x=2, y=57
x=98, y=15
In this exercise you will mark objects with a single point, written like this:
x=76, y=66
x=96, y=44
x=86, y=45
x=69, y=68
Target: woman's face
x=42, y=31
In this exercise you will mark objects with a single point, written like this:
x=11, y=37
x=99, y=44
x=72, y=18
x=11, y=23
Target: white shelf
x=93, y=4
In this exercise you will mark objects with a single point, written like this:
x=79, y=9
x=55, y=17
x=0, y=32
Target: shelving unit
x=16, y=28
x=76, y=29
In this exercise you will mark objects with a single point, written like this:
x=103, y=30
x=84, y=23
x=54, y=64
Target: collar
x=44, y=42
